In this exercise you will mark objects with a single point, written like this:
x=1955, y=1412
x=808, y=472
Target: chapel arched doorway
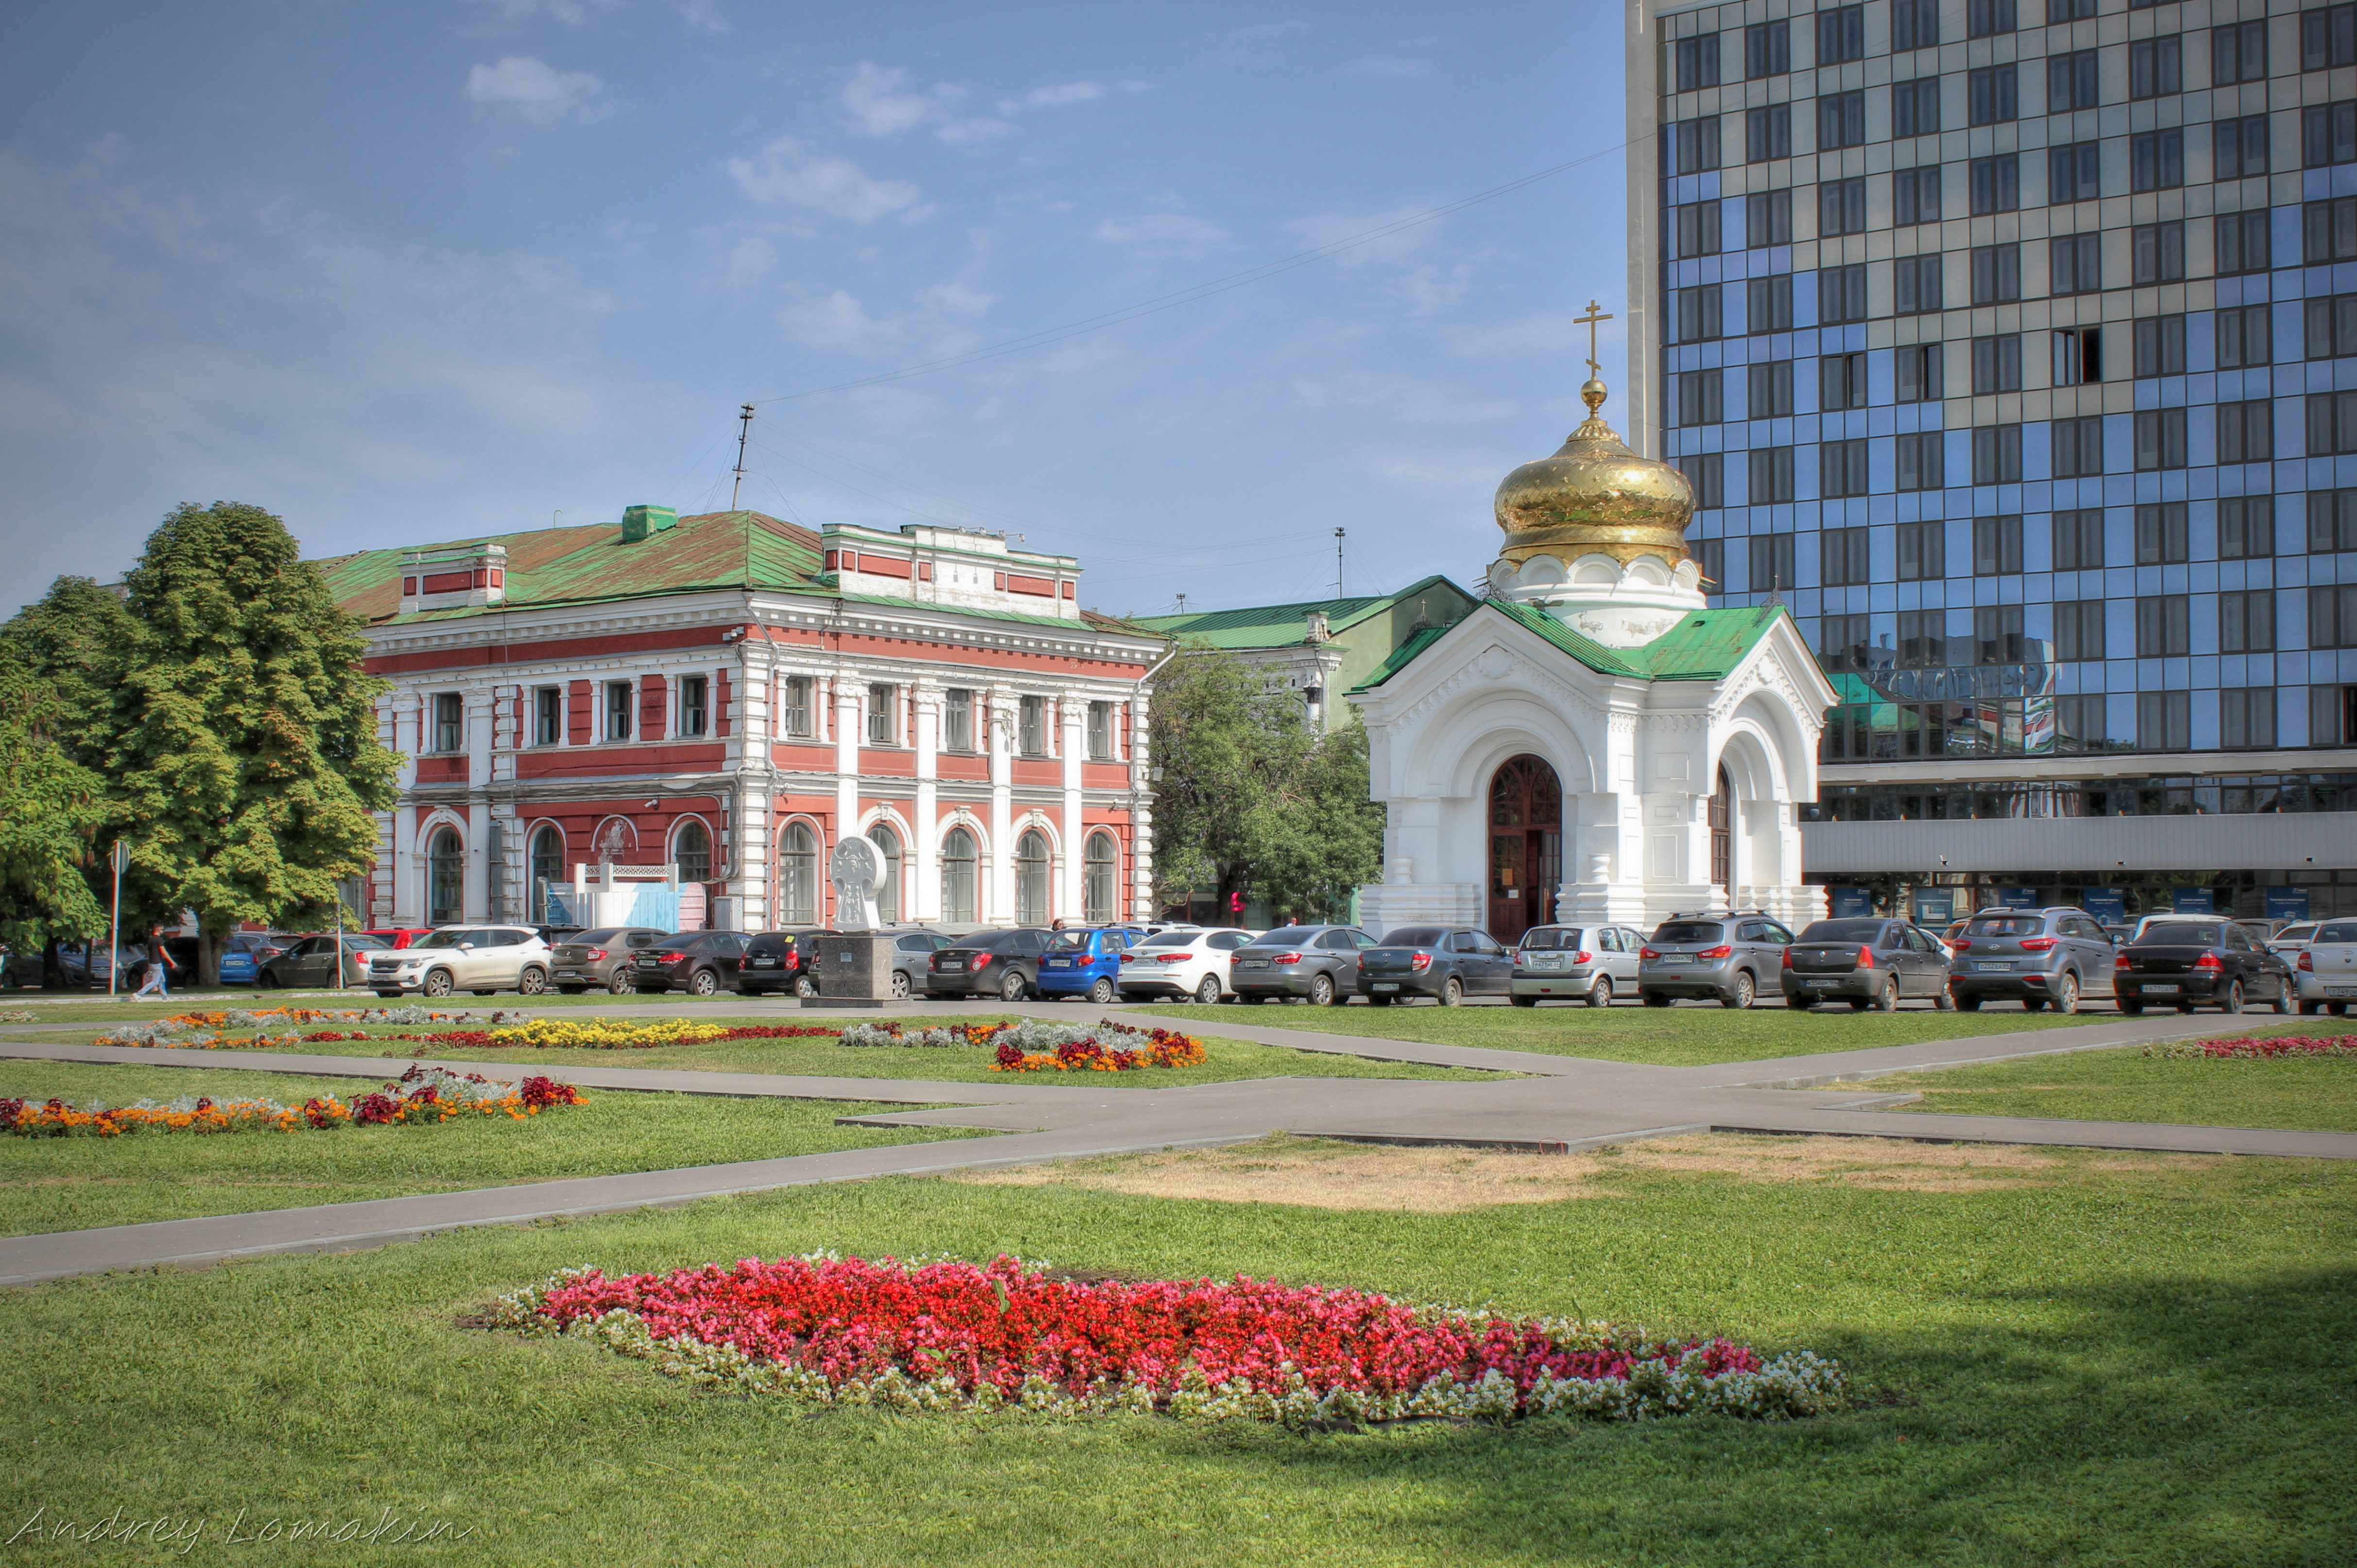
x=1525, y=846
x=1722, y=839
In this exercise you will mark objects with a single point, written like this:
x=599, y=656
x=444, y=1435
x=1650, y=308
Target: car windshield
x=1071, y=942
x=2179, y=934
x=1286, y=937
x=1170, y=940
x=1843, y=931
x=446, y=939
x=2337, y=932
x=1549, y=938
x=1687, y=931
x=1414, y=937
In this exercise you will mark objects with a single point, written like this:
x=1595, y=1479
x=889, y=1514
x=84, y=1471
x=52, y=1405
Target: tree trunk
x=208, y=950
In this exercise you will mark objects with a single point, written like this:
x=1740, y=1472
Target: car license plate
x=1675, y=958
x=1814, y=985
x=1251, y=963
x=1387, y=985
x=2341, y=991
x=953, y=966
x=763, y=962
x=1985, y=967
x=1057, y=963
x=2160, y=991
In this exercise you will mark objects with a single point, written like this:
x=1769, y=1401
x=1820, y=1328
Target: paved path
x=1562, y=1103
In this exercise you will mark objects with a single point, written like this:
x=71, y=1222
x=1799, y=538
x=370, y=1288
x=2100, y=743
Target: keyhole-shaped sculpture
x=858, y=871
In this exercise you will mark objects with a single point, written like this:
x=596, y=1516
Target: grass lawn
x=2318, y=1093
x=1664, y=1036
x=2096, y=1361
x=1225, y=1060
x=70, y=1184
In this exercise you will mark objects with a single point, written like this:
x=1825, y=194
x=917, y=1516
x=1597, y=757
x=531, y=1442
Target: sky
x=405, y=274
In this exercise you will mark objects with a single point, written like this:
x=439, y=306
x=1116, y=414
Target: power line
x=1046, y=336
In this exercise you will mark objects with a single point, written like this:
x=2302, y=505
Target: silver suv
x=1732, y=959
x=2041, y=957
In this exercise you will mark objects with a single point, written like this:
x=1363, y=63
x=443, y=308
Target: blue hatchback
x=1086, y=964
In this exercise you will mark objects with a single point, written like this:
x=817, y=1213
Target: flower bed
x=953, y=1336
x=422, y=1097
x=618, y=1035
x=2250, y=1047
x=268, y=1028
x=1041, y=1045
x=18, y=1015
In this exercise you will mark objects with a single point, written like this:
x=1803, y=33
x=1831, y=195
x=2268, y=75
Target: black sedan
x=1003, y=963
x=310, y=964
x=698, y=963
x=2186, y=963
x=1444, y=963
x=1866, y=963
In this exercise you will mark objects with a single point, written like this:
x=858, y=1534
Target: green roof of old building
x=1282, y=626
x=1707, y=645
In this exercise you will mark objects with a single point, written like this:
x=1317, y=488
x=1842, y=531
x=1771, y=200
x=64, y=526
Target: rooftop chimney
x=638, y=521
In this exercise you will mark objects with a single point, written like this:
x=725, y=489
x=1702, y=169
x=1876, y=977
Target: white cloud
x=879, y=107
x=838, y=321
x=1163, y=230
x=940, y=325
x=954, y=298
x=785, y=171
x=538, y=90
x=1053, y=97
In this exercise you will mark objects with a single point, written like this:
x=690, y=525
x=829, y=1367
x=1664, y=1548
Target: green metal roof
x=1278, y=626
x=1707, y=645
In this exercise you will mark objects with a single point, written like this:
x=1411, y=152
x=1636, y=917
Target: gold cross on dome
x=1589, y=321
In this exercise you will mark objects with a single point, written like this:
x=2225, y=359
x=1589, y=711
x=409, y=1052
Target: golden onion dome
x=1595, y=497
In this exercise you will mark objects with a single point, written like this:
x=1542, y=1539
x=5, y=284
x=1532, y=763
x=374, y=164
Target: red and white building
x=728, y=694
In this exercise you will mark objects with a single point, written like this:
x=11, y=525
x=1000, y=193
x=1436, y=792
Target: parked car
x=1587, y=962
x=2054, y=957
x=1005, y=962
x=1866, y=962
x=392, y=938
x=1317, y=963
x=1728, y=958
x=2325, y=972
x=2185, y=963
x=557, y=936
x=1086, y=962
x=2146, y=922
x=90, y=964
x=773, y=961
x=21, y=969
x=310, y=964
x=599, y=960
x=1185, y=962
x=481, y=959
x=698, y=963
x=245, y=953
x=1447, y=963
x=2293, y=939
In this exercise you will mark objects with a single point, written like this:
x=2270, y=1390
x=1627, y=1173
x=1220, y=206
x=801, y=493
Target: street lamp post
x=120, y=857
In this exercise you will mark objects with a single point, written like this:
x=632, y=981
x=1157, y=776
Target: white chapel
x=1594, y=742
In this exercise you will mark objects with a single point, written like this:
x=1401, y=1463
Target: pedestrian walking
x=159, y=960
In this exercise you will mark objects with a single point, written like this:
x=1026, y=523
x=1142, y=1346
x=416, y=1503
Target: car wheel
x=2066, y=995
x=571, y=990
x=532, y=981
x=437, y=983
x=1209, y=991
x=1887, y=999
x=1600, y=994
x=1524, y=1001
x=1743, y=992
x=1655, y=999
x=1452, y=992
x=805, y=986
x=1011, y=988
x=265, y=981
x=901, y=988
x=618, y=984
x=1102, y=992
x=1965, y=1004
x=1321, y=989
x=1944, y=999
x=703, y=983
x=2283, y=999
x=2234, y=1002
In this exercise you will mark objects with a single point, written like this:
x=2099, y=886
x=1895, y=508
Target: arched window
x=958, y=860
x=547, y=868
x=888, y=850
x=1722, y=839
x=1101, y=880
x=692, y=848
x=798, y=877
x=1031, y=879
x=446, y=879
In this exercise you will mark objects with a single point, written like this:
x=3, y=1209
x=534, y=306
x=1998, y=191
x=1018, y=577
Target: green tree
x=243, y=752
x=51, y=809
x=1251, y=798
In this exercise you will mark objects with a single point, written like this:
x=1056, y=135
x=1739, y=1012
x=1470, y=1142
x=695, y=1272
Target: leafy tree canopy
x=51, y=809
x=1252, y=797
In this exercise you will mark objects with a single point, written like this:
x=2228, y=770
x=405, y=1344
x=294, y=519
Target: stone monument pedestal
x=854, y=969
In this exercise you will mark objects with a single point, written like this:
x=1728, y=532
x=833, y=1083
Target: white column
x=998, y=872
x=1065, y=892
x=848, y=692
x=920, y=880
x=1141, y=810
x=408, y=875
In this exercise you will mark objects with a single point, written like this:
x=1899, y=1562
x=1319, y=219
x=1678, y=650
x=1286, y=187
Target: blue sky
x=403, y=274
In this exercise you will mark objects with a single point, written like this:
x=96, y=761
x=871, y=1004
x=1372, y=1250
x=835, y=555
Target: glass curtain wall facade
x=2013, y=343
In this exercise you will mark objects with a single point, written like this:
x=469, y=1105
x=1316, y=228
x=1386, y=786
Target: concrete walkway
x=1563, y=1103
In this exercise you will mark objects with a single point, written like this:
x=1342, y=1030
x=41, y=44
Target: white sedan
x=1181, y=964
x=2326, y=970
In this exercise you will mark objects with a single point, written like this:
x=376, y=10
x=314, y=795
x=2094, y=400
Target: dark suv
x=1727, y=959
x=1005, y=964
x=1318, y=964
x=2039, y=957
x=698, y=963
x=776, y=961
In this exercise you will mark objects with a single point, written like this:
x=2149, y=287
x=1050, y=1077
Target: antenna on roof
x=744, y=429
x=1338, y=563
x=1182, y=604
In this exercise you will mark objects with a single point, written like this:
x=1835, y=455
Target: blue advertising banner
x=1934, y=906
x=2106, y=904
x=2016, y=898
x=1852, y=902
x=2193, y=901
x=2286, y=903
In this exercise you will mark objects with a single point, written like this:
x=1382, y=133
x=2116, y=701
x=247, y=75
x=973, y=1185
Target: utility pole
x=121, y=857
x=744, y=430
x=1338, y=563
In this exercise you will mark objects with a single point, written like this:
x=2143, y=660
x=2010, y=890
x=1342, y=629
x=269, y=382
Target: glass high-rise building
x=2014, y=344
